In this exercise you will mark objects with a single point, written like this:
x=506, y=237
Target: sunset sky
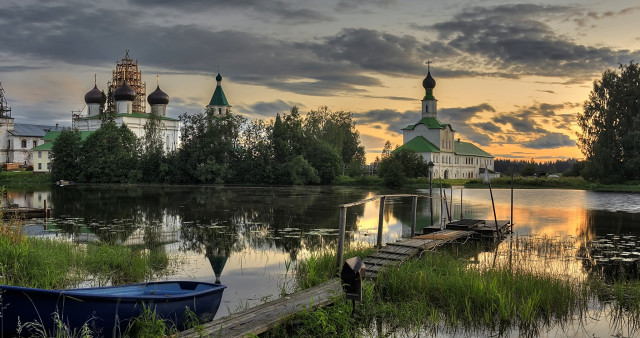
x=511, y=76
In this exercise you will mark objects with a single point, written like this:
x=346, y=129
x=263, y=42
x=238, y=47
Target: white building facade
x=436, y=142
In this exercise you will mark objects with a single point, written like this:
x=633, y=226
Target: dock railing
x=382, y=198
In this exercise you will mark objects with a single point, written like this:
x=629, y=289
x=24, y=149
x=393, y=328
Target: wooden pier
x=261, y=318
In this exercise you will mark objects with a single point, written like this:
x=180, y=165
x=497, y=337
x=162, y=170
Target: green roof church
x=436, y=142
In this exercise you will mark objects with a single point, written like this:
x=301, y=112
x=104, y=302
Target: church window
x=219, y=110
x=24, y=143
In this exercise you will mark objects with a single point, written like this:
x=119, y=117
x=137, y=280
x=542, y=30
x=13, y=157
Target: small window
x=48, y=166
x=219, y=110
x=39, y=154
x=39, y=166
x=24, y=143
x=35, y=144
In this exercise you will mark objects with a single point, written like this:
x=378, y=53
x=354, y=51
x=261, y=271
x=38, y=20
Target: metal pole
x=414, y=208
x=431, y=195
x=343, y=224
x=380, y=222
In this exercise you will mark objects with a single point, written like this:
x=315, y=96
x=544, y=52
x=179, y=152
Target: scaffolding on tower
x=128, y=69
x=5, y=110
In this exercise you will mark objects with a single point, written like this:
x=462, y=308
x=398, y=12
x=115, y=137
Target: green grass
x=444, y=292
x=321, y=266
x=18, y=178
x=51, y=264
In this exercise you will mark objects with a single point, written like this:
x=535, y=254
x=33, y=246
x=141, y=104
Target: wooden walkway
x=261, y=318
x=402, y=250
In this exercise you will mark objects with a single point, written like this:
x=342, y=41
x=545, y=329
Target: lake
x=246, y=236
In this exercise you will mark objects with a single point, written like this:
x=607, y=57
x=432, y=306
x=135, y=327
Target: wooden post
x=414, y=208
x=461, y=213
x=343, y=225
x=380, y=223
x=430, y=195
x=493, y=205
x=511, y=202
x=446, y=205
x=442, y=212
x=45, y=210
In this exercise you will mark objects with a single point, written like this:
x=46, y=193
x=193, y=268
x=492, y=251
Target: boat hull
x=106, y=310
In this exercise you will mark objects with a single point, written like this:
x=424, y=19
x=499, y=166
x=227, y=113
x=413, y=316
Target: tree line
x=530, y=167
x=228, y=148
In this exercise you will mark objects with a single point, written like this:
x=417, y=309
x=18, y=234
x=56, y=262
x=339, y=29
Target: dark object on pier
x=352, y=274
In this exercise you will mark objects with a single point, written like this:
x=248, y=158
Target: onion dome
x=219, y=77
x=93, y=96
x=429, y=82
x=158, y=97
x=124, y=93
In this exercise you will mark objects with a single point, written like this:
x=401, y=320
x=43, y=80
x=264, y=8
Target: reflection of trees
x=256, y=217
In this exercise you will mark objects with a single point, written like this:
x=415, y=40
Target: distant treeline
x=525, y=167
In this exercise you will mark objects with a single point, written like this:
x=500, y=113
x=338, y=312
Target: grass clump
x=442, y=292
x=51, y=264
x=320, y=267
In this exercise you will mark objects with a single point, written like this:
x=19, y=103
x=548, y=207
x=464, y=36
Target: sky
x=510, y=75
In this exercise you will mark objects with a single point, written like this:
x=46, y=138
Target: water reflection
x=242, y=236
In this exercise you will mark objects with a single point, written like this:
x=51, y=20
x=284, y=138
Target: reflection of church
x=435, y=141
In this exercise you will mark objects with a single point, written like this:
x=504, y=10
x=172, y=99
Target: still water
x=246, y=237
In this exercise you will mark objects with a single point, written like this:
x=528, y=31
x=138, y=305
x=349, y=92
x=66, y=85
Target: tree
x=529, y=169
x=109, y=155
x=152, y=159
x=210, y=148
x=610, y=123
x=400, y=164
x=65, y=156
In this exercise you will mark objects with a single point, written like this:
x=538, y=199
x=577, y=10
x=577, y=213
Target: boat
x=107, y=311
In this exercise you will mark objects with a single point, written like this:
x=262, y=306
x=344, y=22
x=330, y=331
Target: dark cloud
x=489, y=127
x=517, y=40
x=89, y=36
x=459, y=118
x=391, y=118
x=550, y=141
x=354, y=4
x=374, y=51
x=268, y=110
x=591, y=16
x=271, y=10
x=520, y=122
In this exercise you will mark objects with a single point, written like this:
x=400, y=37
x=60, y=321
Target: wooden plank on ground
x=386, y=255
x=397, y=249
x=261, y=318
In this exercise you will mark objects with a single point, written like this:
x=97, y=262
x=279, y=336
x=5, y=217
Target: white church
x=436, y=142
x=129, y=94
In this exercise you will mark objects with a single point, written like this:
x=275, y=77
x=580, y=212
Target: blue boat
x=106, y=310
